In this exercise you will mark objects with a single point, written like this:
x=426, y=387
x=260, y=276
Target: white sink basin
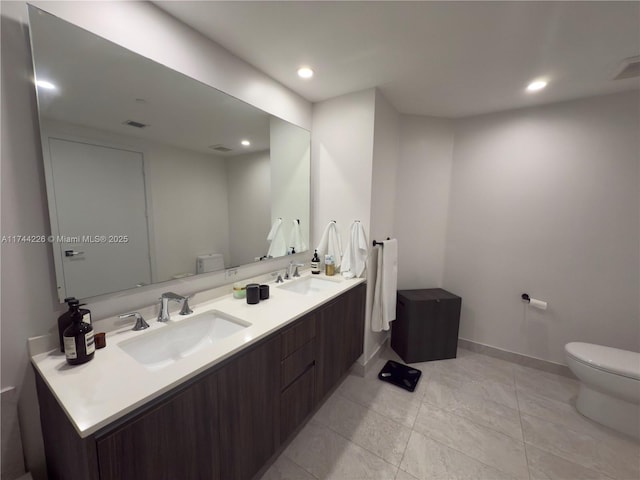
x=167, y=345
x=309, y=285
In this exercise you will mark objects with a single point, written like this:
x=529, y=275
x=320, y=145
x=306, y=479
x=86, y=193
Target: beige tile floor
x=473, y=417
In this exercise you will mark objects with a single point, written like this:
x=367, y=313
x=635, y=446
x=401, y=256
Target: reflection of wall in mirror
x=188, y=193
x=249, y=206
x=290, y=176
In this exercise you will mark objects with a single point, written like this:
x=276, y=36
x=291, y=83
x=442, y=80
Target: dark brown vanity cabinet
x=249, y=410
x=227, y=422
x=340, y=338
x=298, y=374
x=177, y=439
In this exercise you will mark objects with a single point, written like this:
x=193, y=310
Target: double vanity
x=212, y=395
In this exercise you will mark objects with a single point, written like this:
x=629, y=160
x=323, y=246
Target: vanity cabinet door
x=249, y=401
x=176, y=440
x=354, y=326
x=339, y=339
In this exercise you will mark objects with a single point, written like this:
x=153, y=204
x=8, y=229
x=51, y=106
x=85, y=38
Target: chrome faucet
x=290, y=270
x=140, y=322
x=163, y=316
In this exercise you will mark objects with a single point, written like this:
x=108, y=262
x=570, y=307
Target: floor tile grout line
x=571, y=428
x=373, y=409
x=358, y=445
x=284, y=454
x=504, y=404
x=480, y=424
x=463, y=453
x=560, y=454
x=524, y=443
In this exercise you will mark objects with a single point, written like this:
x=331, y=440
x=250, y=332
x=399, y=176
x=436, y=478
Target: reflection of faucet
x=295, y=273
x=163, y=316
x=140, y=323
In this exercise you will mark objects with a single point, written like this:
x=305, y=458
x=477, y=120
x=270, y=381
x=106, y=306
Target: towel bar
x=379, y=243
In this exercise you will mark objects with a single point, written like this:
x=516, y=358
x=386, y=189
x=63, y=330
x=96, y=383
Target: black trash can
x=426, y=325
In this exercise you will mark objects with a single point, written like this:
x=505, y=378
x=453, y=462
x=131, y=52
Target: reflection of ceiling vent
x=630, y=68
x=219, y=148
x=133, y=123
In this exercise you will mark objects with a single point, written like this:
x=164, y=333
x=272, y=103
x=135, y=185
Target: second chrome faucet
x=164, y=316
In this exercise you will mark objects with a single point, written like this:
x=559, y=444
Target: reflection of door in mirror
x=100, y=212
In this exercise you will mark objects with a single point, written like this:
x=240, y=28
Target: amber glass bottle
x=79, y=346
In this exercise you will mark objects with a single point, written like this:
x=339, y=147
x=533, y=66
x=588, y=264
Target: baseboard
x=11, y=444
x=518, y=358
x=362, y=369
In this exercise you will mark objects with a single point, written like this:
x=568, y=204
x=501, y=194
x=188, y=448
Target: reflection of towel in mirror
x=355, y=255
x=278, y=246
x=385, y=290
x=330, y=243
x=297, y=239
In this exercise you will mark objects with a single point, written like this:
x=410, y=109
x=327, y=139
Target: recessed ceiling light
x=305, y=72
x=536, y=85
x=46, y=85
x=245, y=143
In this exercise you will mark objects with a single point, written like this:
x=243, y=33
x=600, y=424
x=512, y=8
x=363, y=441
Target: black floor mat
x=400, y=375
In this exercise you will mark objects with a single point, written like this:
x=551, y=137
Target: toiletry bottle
x=329, y=266
x=64, y=321
x=315, y=263
x=79, y=345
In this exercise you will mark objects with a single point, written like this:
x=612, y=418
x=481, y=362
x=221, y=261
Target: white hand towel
x=354, y=261
x=330, y=243
x=297, y=238
x=385, y=290
x=277, y=246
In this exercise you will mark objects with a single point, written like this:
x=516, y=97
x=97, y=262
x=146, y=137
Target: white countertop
x=113, y=384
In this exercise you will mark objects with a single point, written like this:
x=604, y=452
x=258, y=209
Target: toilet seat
x=608, y=359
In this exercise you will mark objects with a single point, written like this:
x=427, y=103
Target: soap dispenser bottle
x=315, y=263
x=64, y=320
x=79, y=346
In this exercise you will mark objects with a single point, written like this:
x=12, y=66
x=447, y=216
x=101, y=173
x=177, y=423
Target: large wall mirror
x=153, y=176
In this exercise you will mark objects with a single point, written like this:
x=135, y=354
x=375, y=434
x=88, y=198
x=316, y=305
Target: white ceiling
x=448, y=59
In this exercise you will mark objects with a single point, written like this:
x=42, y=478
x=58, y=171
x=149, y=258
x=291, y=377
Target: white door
x=101, y=217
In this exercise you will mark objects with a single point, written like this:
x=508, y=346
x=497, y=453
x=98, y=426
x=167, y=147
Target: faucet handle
x=295, y=273
x=279, y=279
x=141, y=324
x=186, y=310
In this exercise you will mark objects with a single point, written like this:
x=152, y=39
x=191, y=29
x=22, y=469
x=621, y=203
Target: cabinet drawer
x=297, y=335
x=296, y=403
x=296, y=363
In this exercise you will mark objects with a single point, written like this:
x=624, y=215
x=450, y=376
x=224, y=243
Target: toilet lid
x=609, y=359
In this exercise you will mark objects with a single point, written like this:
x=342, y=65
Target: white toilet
x=610, y=385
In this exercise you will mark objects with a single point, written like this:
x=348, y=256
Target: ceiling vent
x=219, y=148
x=630, y=68
x=133, y=123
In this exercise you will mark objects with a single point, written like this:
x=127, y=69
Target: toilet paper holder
x=534, y=302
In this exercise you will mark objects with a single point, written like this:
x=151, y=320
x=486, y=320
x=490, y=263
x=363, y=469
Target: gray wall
x=422, y=207
x=249, y=194
x=545, y=201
